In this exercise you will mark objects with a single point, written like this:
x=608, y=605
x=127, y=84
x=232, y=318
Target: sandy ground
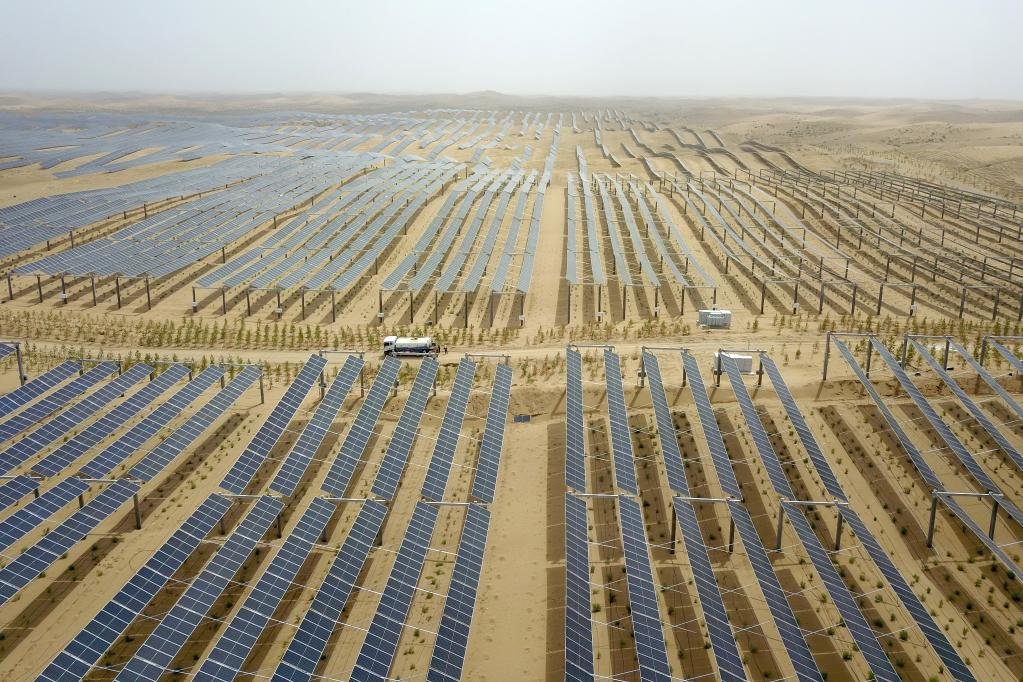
x=517, y=630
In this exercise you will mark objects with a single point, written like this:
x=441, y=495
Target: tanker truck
x=410, y=346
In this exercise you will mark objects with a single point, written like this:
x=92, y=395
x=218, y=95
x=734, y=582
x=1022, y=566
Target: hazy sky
x=936, y=49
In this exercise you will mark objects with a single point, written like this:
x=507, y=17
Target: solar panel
x=5, y=350
x=158, y=651
x=447, y=438
x=971, y=407
x=575, y=444
x=379, y=647
x=106, y=461
x=89, y=645
x=33, y=389
x=578, y=626
x=485, y=482
x=673, y=463
x=880, y=558
x=241, y=474
x=40, y=556
x=992, y=383
x=62, y=424
x=719, y=630
x=226, y=659
x=357, y=438
x=15, y=489
x=621, y=434
x=861, y=633
x=72, y=449
x=945, y=433
x=1009, y=356
x=290, y=474
x=455, y=621
x=310, y=641
x=38, y=511
x=34, y=414
x=162, y=455
x=393, y=464
x=920, y=463
x=646, y=619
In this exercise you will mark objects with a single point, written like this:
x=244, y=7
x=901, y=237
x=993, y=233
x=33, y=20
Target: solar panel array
x=456, y=619
x=989, y=427
x=290, y=474
x=379, y=647
x=158, y=651
x=37, y=412
x=794, y=638
x=357, y=438
x=164, y=453
x=33, y=389
x=38, y=511
x=13, y=490
x=578, y=619
x=673, y=463
x=447, y=438
x=575, y=444
x=99, y=430
x=485, y=482
x=992, y=383
x=107, y=460
x=646, y=619
x=36, y=559
x=112, y=621
x=854, y=619
x=944, y=432
x=226, y=659
x=621, y=434
x=902, y=589
x=921, y=465
x=62, y=424
x=393, y=463
x=258, y=449
x=310, y=641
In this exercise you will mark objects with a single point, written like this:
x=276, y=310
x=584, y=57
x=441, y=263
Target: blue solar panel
x=357, y=438
x=241, y=474
x=905, y=593
x=381, y=641
x=945, y=433
x=578, y=625
x=72, y=418
x=303, y=653
x=992, y=383
x=575, y=443
x=785, y=620
x=290, y=474
x=447, y=439
x=5, y=350
x=158, y=651
x=37, y=412
x=71, y=450
x=621, y=434
x=393, y=464
x=226, y=659
x=455, y=621
x=162, y=455
x=646, y=619
x=485, y=482
x=110, y=457
x=665, y=427
x=15, y=489
x=921, y=464
x=719, y=630
x=38, y=511
x=89, y=645
x=40, y=556
x=35, y=388
x=864, y=637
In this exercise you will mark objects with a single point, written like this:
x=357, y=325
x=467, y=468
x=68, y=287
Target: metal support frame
x=362, y=371
x=991, y=337
x=939, y=494
x=22, y=377
x=687, y=498
x=978, y=287
x=809, y=503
